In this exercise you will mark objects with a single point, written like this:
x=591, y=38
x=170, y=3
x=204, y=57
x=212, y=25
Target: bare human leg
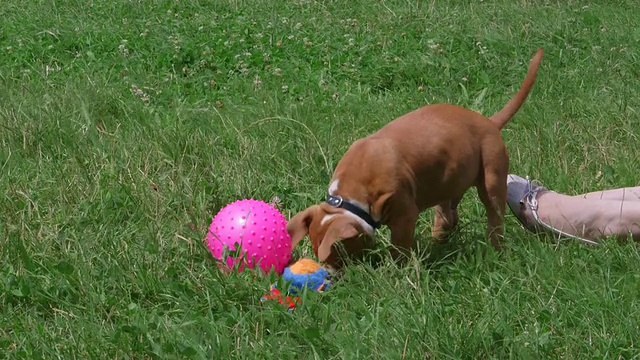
x=627, y=194
x=588, y=217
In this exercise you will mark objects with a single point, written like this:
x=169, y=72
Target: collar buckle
x=339, y=202
x=335, y=201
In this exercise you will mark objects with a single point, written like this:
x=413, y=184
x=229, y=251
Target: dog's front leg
x=445, y=220
x=402, y=234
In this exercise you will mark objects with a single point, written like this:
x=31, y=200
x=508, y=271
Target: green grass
x=126, y=125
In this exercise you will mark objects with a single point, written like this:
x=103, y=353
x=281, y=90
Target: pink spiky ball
x=259, y=229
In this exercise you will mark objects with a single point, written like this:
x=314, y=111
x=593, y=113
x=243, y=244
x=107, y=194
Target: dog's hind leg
x=492, y=190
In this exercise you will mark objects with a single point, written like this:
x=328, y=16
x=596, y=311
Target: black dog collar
x=337, y=201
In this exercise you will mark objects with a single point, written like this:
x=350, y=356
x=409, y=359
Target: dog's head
x=335, y=234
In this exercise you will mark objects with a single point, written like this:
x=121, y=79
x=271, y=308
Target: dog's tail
x=503, y=116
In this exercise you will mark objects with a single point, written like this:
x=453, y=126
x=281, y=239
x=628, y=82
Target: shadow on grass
x=430, y=254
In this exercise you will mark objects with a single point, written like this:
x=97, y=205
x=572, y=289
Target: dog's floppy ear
x=340, y=231
x=298, y=226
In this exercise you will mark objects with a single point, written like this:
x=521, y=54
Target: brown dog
x=426, y=158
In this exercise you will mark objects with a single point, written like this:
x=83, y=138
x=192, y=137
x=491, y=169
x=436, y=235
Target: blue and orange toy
x=303, y=273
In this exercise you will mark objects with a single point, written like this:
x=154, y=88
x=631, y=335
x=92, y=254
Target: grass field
x=126, y=125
